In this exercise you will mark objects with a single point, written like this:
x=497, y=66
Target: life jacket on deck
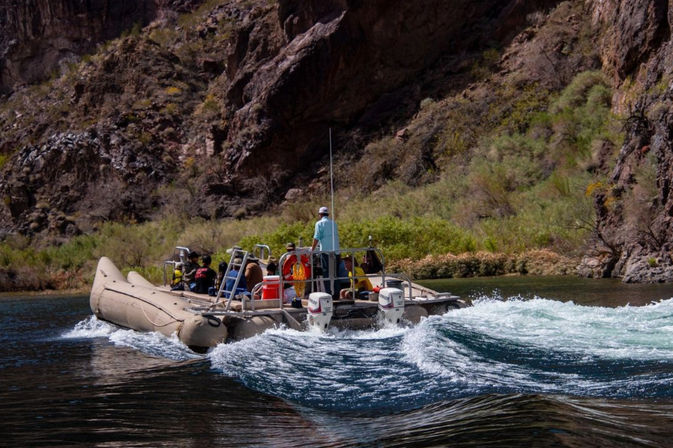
x=177, y=277
x=297, y=270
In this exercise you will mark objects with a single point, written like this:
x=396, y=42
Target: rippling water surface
x=555, y=362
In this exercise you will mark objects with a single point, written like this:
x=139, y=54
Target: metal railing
x=310, y=260
x=260, y=250
x=334, y=259
x=301, y=255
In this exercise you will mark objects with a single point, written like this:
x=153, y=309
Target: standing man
x=326, y=235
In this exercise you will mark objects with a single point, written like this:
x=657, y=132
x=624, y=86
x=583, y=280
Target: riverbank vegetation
x=515, y=198
x=420, y=247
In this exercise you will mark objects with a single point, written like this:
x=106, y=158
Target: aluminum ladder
x=236, y=253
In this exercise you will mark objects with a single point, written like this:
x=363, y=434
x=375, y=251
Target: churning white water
x=495, y=346
x=513, y=346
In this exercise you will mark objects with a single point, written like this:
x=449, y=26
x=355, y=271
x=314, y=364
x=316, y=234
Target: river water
x=533, y=363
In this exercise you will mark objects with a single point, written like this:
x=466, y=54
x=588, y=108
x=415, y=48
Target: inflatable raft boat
x=201, y=321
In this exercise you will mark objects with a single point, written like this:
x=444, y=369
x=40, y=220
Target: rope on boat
x=155, y=324
x=152, y=304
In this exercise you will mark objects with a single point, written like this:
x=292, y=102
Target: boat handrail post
x=383, y=263
x=281, y=277
x=314, y=281
x=263, y=249
x=166, y=263
x=405, y=278
x=351, y=273
x=182, y=252
x=332, y=266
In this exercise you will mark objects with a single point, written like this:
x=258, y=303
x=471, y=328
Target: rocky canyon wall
x=38, y=37
x=634, y=222
x=346, y=64
x=271, y=79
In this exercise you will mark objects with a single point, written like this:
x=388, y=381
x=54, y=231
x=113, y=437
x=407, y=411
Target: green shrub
x=485, y=264
x=526, y=107
x=581, y=116
x=576, y=93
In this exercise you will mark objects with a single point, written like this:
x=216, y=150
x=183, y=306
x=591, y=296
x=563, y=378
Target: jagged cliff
x=634, y=228
x=38, y=36
x=221, y=112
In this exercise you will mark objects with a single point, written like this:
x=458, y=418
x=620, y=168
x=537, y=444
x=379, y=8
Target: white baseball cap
x=323, y=211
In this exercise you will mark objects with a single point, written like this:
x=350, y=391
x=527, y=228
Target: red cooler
x=270, y=286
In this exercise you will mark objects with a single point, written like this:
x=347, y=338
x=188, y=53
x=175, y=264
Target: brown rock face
x=250, y=105
x=636, y=29
x=37, y=36
x=635, y=212
x=105, y=180
x=343, y=66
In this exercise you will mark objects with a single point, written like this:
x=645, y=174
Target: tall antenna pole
x=331, y=181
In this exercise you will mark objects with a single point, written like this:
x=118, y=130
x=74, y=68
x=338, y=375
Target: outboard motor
x=391, y=305
x=319, y=311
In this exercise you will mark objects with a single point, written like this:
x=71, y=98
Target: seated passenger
x=272, y=267
x=360, y=283
x=205, y=277
x=221, y=270
x=253, y=272
x=371, y=263
x=189, y=271
x=289, y=293
x=176, y=283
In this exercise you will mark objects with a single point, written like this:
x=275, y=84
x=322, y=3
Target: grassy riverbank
x=420, y=247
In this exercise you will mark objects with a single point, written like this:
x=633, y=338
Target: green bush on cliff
x=412, y=237
x=524, y=182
